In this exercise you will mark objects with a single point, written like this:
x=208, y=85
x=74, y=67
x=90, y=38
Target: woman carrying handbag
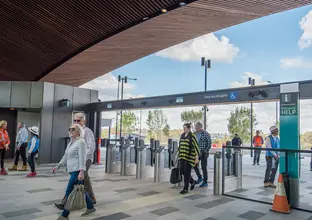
x=75, y=161
x=188, y=156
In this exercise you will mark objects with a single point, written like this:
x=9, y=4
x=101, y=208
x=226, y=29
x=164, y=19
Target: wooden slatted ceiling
x=196, y=19
x=37, y=35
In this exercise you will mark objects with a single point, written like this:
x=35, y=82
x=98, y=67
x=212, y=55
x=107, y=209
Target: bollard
x=141, y=159
x=238, y=168
x=123, y=156
x=159, y=163
x=217, y=177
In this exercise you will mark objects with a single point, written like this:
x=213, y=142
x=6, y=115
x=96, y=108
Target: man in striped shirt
x=21, y=146
x=204, y=143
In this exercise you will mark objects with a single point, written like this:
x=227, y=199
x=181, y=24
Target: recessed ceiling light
x=163, y=10
x=182, y=4
x=146, y=18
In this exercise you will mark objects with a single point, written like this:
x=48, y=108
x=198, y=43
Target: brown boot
x=13, y=168
x=23, y=168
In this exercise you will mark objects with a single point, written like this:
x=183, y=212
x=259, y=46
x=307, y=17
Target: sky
x=276, y=48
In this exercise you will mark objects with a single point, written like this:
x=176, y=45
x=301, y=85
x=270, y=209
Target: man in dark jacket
x=236, y=141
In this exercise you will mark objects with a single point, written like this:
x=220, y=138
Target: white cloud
x=305, y=40
x=107, y=86
x=296, y=62
x=208, y=46
x=258, y=80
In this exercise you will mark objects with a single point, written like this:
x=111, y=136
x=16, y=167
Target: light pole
x=251, y=82
x=276, y=108
x=207, y=65
x=123, y=80
x=116, y=130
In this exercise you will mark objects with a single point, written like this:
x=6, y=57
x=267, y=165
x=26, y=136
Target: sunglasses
x=72, y=129
x=77, y=121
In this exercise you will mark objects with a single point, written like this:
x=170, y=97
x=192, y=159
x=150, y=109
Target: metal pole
x=251, y=127
x=122, y=83
x=276, y=111
x=116, y=130
x=205, y=107
x=140, y=124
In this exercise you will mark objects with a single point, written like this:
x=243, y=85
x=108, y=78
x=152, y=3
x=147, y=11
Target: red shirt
x=4, y=138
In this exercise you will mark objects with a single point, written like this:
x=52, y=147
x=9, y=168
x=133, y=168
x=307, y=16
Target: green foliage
x=156, y=121
x=129, y=121
x=166, y=130
x=306, y=140
x=239, y=122
x=191, y=116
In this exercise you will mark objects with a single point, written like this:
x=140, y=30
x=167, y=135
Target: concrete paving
x=119, y=197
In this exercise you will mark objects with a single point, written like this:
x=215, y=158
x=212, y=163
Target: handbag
x=76, y=199
x=175, y=176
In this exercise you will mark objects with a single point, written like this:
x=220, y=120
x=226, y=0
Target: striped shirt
x=22, y=136
x=188, y=148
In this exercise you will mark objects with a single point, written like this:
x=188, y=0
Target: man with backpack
x=257, y=143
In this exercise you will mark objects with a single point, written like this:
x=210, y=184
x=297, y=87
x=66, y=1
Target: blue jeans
x=72, y=181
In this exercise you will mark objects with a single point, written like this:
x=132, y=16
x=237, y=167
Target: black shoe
x=193, y=186
x=59, y=206
x=183, y=192
x=253, y=164
x=258, y=163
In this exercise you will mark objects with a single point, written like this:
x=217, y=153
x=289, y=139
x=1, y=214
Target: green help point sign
x=289, y=104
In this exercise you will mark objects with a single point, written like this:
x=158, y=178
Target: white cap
x=273, y=129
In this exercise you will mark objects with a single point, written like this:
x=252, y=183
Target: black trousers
x=21, y=152
x=203, y=162
x=185, y=169
x=31, y=160
x=2, y=155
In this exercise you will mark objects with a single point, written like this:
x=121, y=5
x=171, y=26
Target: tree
x=166, y=130
x=128, y=122
x=156, y=121
x=191, y=116
x=239, y=122
x=306, y=140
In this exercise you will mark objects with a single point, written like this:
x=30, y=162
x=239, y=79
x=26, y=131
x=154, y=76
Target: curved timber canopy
x=72, y=42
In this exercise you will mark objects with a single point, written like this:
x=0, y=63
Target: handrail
x=270, y=149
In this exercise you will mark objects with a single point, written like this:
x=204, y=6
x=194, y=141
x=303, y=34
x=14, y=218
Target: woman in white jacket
x=75, y=161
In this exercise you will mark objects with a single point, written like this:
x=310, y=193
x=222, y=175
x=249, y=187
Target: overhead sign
x=231, y=96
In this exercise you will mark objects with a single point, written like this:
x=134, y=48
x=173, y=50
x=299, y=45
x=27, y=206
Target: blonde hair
x=80, y=130
x=2, y=123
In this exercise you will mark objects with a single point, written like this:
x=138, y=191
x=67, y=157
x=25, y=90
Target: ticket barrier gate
x=128, y=157
x=173, y=153
x=144, y=161
x=159, y=166
x=113, y=155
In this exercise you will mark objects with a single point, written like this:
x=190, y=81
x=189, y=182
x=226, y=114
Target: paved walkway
x=124, y=198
